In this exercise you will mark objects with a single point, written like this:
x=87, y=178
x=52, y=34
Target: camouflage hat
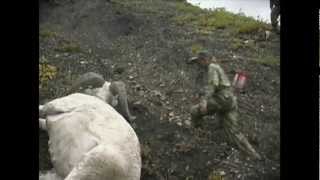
x=200, y=55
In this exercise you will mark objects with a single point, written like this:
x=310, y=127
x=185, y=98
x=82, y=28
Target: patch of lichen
x=215, y=176
x=268, y=60
x=68, y=47
x=47, y=72
x=46, y=33
x=195, y=48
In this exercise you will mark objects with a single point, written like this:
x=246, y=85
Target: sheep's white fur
x=49, y=175
x=90, y=140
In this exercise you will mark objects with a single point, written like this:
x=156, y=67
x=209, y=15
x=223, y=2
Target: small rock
x=157, y=93
x=204, y=151
x=208, y=163
x=179, y=123
x=141, y=93
x=171, y=114
x=131, y=77
x=137, y=86
x=222, y=173
x=187, y=168
x=187, y=122
x=249, y=41
x=179, y=91
x=163, y=98
x=137, y=103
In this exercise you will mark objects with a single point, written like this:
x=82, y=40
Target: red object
x=239, y=80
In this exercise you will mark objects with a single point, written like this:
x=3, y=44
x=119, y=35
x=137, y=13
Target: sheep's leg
x=100, y=163
x=42, y=120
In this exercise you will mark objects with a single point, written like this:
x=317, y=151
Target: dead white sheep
x=90, y=140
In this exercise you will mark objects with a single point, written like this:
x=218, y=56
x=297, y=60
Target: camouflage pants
x=275, y=13
x=224, y=105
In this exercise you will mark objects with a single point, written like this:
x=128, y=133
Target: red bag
x=239, y=80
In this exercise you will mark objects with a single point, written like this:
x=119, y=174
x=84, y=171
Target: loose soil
x=139, y=43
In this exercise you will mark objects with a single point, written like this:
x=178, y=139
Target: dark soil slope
x=146, y=45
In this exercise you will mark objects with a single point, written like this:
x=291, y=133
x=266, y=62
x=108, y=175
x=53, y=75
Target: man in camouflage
x=275, y=13
x=219, y=99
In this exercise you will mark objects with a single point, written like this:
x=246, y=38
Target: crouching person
x=220, y=100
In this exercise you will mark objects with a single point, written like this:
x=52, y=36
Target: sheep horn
x=86, y=80
x=119, y=88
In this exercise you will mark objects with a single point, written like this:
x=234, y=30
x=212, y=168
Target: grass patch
x=195, y=48
x=187, y=8
x=268, y=60
x=46, y=72
x=45, y=33
x=238, y=44
x=217, y=19
x=69, y=47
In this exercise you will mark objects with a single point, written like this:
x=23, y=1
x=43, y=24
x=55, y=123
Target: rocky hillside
x=146, y=43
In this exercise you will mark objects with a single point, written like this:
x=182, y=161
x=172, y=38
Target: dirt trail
x=143, y=47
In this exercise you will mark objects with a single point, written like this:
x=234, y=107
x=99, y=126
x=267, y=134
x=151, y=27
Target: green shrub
x=217, y=19
x=46, y=72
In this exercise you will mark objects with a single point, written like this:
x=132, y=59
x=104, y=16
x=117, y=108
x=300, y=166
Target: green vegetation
x=237, y=44
x=69, y=47
x=188, y=8
x=46, y=72
x=46, y=33
x=217, y=19
x=268, y=60
x=195, y=48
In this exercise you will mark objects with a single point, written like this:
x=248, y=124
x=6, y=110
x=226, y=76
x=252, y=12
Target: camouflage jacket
x=217, y=79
